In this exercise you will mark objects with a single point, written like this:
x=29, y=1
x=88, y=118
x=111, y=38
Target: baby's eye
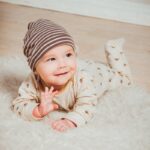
x=51, y=59
x=69, y=54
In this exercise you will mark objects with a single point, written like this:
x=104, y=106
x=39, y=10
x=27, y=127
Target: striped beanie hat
x=43, y=35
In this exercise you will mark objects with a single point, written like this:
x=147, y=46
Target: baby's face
x=57, y=66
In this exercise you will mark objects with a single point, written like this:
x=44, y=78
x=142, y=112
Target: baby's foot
x=114, y=47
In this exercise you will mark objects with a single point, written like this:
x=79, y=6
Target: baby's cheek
x=74, y=67
x=73, y=70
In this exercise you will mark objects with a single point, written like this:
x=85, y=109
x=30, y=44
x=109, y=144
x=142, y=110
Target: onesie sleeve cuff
x=76, y=118
x=28, y=112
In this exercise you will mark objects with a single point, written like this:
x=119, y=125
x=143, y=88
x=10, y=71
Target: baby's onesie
x=80, y=95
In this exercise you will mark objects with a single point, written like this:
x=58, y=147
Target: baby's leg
x=120, y=73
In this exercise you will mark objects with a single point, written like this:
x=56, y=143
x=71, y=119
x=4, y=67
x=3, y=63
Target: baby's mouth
x=61, y=74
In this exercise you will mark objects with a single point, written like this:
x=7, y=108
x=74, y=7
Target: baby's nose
x=62, y=63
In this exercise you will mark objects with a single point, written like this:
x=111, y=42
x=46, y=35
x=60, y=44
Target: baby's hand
x=62, y=125
x=46, y=104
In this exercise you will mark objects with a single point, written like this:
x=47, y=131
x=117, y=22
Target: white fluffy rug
x=122, y=121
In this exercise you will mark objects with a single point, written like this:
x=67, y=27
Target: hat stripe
x=35, y=36
x=29, y=39
x=48, y=39
x=36, y=31
x=39, y=37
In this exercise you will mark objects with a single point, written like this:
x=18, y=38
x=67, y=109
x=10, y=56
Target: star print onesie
x=81, y=94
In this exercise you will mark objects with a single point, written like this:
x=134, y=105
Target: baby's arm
x=86, y=101
x=27, y=99
x=28, y=104
x=46, y=105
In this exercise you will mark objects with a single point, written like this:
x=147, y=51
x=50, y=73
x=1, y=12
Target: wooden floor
x=89, y=33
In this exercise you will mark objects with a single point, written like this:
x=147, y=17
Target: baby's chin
x=59, y=86
x=60, y=81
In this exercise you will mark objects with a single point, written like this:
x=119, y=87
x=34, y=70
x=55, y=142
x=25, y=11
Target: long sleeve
x=27, y=99
x=86, y=100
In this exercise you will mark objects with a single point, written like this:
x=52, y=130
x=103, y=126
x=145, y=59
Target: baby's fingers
x=48, y=93
x=42, y=96
x=59, y=126
x=55, y=106
x=54, y=93
x=51, y=89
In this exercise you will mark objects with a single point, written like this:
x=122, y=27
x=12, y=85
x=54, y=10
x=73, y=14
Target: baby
x=61, y=81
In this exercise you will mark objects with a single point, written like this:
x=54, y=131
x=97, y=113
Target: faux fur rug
x=122, y=120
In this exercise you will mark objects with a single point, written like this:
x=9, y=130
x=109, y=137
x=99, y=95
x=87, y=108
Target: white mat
x=122, y=121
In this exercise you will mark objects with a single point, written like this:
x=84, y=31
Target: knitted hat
x=42, y=36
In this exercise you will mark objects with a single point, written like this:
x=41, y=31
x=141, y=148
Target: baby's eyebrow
x=69, y=50
x=47, y=56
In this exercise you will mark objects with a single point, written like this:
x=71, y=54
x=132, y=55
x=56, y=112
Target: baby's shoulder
x=88, y=66
x=84, y=73
x=84, y=63
x=30, y=80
